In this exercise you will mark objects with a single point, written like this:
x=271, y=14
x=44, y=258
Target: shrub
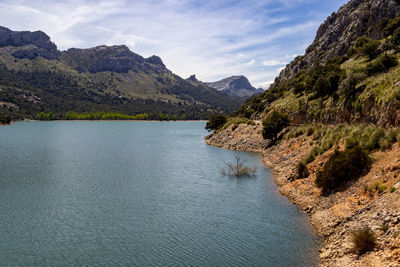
x=364, y=240
x=348, y=85
x=392, y=189
x=45, y=116
x=391, y=26
x=301, y=170
x=235, y=121
x=342, y=166
x=396, y=37
x=311, y=156
x=310, y=131
x=381, y=64
x=351, y=142
x=238, y=168
x=367, y=47
x=215, y=122
x=385, y=144
x=273, y=124
x=379, y=187
x=4, y=119
x=373, y=137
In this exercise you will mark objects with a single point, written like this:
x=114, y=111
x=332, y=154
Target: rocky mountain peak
x=155, y=60
x=34, y=43
x=192, y=78
x=235, y=85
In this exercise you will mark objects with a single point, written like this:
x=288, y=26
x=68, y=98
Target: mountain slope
x=36, y=77
x=348, y=74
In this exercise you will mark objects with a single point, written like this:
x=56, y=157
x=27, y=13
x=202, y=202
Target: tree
x=238, y=168
x=215, y=122
x=273, y=124
x=4, y=119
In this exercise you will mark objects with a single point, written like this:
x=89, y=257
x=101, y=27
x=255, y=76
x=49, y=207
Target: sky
x=211, y=39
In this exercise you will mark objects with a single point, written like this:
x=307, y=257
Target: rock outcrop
x=34, y=43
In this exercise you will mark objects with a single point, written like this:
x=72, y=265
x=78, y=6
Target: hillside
x=350, y=72
x=36, y=77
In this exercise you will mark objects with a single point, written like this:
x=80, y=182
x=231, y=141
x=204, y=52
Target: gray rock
x=34, y=43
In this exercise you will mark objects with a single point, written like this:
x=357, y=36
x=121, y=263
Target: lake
x=139, y=193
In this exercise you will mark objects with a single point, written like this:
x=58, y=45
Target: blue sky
x=212, y=39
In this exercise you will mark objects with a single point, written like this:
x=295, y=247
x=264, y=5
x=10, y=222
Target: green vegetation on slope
x=4, y=119
x=342, y=167
x=359, y=86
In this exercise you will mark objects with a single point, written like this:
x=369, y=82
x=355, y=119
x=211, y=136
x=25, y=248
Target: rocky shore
x=337, y=216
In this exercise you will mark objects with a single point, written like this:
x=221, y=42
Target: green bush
x=312, y=155
x=379, y=187
x=348, y=86
x=310, y=131
x=364, y=240
x=342, y=166
x=215, y=122
x=371, y=138
x=301, y=170
x=381, y=64
x=391, y=26
x=396, y=37
x=45, y=116
x=392, y=189
x=351, y=142
x=4, y=119
x=367, y=47
x=273, y=124
x=385, y=144
x=235, y=121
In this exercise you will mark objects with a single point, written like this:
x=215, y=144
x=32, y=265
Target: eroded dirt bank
x=334, y=217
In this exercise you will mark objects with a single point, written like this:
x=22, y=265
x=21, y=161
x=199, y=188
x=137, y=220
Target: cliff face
x=340, y=30
x=33, y=44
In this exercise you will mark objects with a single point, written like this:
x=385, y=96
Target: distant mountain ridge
x=235, y=86
x=35, y=76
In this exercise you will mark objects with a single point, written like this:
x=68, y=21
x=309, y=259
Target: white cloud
x=208, y=38
x=251, y=62
x=273, y=62
x=291, y=56
x=264, y=85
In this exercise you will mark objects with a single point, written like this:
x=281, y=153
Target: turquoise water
x=139, y=193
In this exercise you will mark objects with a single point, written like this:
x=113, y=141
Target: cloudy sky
x=212, y=39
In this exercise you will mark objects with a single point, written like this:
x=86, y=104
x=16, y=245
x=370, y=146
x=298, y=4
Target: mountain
x=235, y=86
x=36, y=77
x=350, y=72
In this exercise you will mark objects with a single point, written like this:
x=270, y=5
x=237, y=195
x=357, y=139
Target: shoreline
x=31, y=120
x=333, y=217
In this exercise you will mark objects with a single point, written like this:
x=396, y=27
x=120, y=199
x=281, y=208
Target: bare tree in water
x=238, y=168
